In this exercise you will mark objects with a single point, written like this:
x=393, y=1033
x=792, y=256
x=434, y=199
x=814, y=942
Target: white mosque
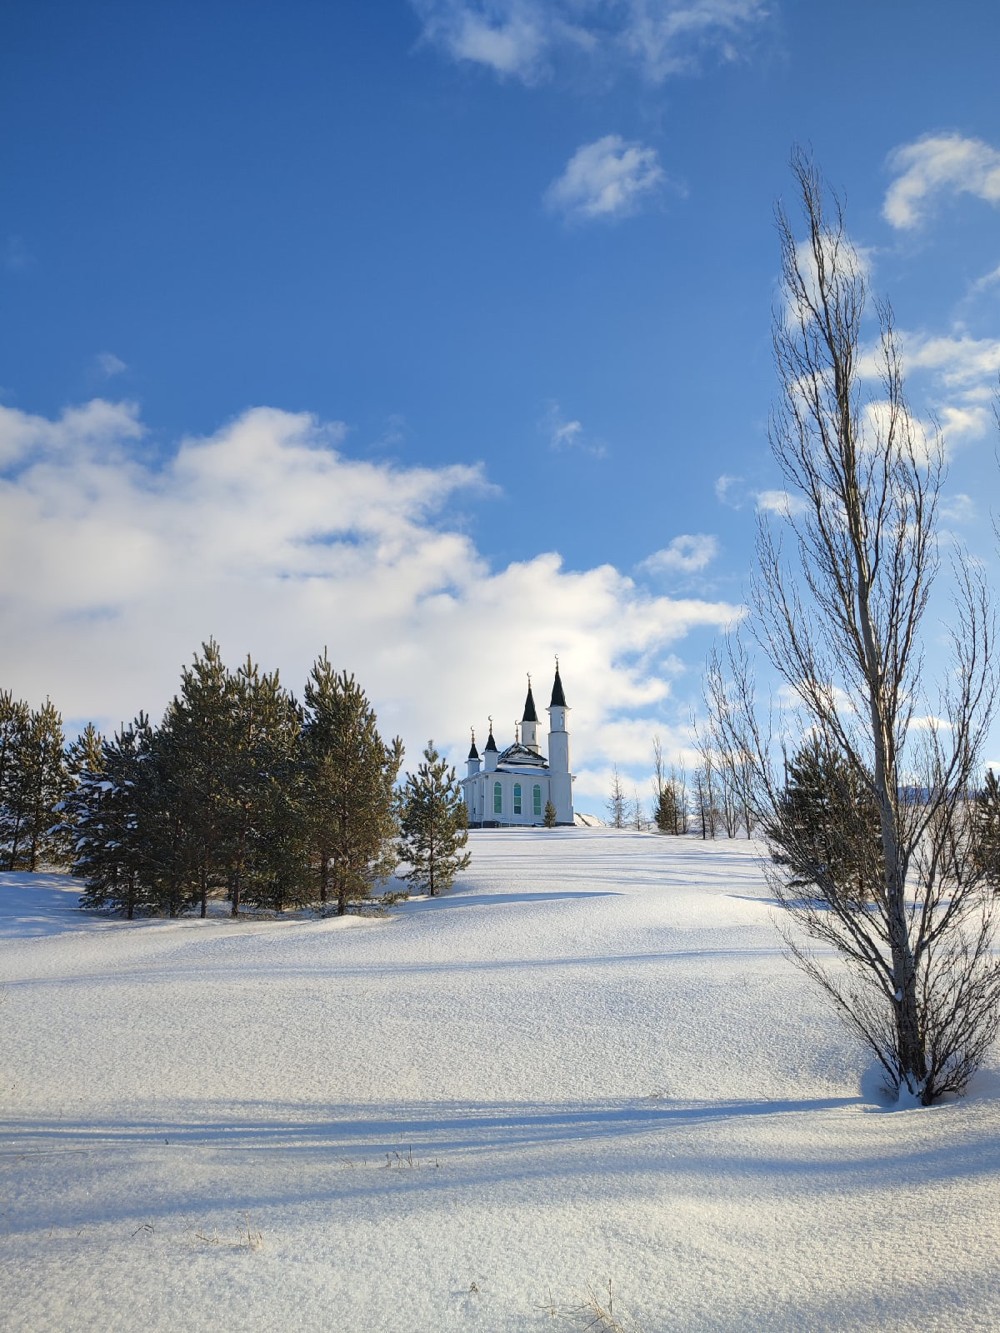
x=513, y=786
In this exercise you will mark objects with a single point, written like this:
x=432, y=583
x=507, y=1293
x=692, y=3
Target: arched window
x=517, y=798
x=536, y=801
x=497, y=799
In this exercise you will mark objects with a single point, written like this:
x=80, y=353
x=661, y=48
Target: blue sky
x=438, y=332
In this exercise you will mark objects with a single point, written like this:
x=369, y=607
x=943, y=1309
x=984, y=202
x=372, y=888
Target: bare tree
x=705, y=809
x=838, y=616
x=617, y=802
x=638, y=815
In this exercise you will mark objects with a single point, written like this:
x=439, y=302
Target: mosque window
x=536, y=801
x=497, y=799
x=517, y=798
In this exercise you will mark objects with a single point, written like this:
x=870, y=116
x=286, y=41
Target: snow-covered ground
x=588, y=1062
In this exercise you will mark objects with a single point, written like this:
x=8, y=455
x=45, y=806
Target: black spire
x=491, y=743
x=558, y=697
x=529, y=706
x=473, y=753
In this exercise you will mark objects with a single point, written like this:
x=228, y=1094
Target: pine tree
x=668, y=815
x=34, y=784
x=195, y=762
x=271, y=845
x=985, y=815
x=435, y=821
x=15, y=718
x=827, y=828
x=349, y=778
x=550, y=817
x=83, y=758
x=112, y=842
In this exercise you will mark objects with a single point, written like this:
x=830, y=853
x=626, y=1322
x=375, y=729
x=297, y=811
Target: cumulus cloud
x=735, y=492
x=935, y=165
x=779, y=502
x=266, y=535
x=687, y=554
x=524, y=38
x=961, y=372
x=606, y=179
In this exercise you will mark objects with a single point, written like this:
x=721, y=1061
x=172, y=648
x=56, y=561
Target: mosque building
x=513, y=786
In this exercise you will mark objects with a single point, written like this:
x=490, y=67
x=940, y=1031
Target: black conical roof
x=473, y=752
x=558, y=697
x=491, y=743
x=529, y=707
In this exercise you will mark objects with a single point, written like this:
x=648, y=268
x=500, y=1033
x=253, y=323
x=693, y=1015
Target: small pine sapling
x=434, y=825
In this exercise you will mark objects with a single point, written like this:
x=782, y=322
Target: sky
x=438, y=334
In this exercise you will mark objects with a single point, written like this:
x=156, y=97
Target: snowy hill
x=588, y=1062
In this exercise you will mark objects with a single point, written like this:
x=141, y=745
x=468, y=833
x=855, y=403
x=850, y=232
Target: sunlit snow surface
x=589, y=1061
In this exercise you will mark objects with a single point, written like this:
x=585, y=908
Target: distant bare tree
x=705, y=810
x=617, y=802
x=637, y=812
x=838, y=617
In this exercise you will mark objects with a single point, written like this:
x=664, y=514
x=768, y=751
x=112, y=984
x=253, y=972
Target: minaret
x=473, y=758
x=529, y=724
x=560, y=778
x=490, y=753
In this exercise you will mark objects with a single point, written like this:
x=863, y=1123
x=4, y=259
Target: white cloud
x=564, y=433
x=522, y=38
x=687, y=554
x=510, y=36
x=781, y=503
x=938, y=164
x=962, y=372
x=110, y=365
x=265, y=535
x=959, y=508
x=730, y=491
x=734, y=493
x=669, y=38
x=606, y=179
x=986, y=283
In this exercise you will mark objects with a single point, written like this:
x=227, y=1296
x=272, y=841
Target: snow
x=590, y=1061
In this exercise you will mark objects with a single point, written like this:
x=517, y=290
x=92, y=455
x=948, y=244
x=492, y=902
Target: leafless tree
x=837, y=612
x=638, y=815
x=617, y=802
x=705, y=808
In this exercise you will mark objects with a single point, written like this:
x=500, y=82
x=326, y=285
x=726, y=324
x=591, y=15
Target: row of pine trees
x=242, y=791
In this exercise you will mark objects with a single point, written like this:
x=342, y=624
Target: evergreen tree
x=985, y=815
x=349, y=777
x=827, y=830
x=550, y=816
x=15, y=718
x=83, y=758
x=106, y=810
x=270, y=845
x=435, y=824
x=196, y=763
x=668, y=814
x=34, y=784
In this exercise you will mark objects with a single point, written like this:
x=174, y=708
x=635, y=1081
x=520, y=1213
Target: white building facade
x=513, y=786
